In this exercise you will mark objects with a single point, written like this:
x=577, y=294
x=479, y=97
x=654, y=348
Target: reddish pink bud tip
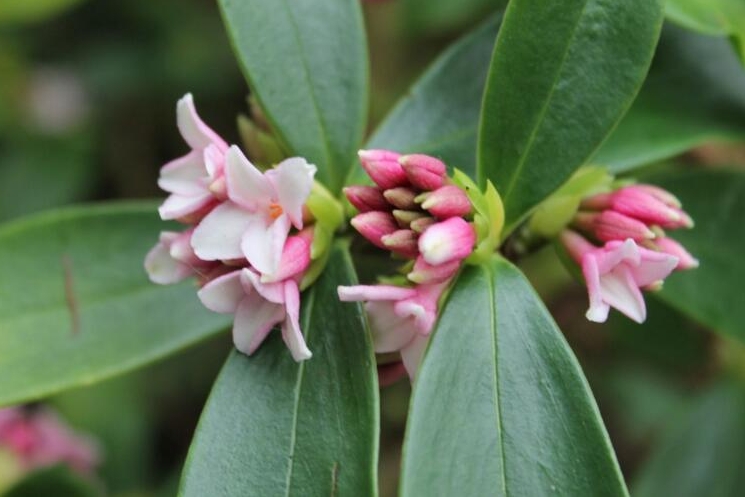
x=672, y=247
x=374, y=225
x=383, y=168
x=447, y=201
x=612, y=225
x=639, y=204
x=366, y=198
x=447, y=241
x=423, y=171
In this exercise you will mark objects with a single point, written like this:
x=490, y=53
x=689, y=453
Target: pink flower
x=256, y=220
x=260, y=303
x=172, y=259
x=194, y=179
x=615, y=273
x=401, y=318
x=39, y=438
x=646, y=203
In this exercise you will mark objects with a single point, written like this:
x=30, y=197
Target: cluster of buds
x=36, y=438
x=254, y=239
x=419, y=214
x=636, y=255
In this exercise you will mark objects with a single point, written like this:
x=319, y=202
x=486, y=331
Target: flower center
x=275, y=210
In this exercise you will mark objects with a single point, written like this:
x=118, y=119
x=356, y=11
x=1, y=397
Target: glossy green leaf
x=500, y=406
x=713, y=17
x=694, y=94
x=76, y=305
x=306, y=62
x=439, y=115
x=563, y=74
x=275, y=427
x=53, y=481
x=702, y=452
x=712, y=294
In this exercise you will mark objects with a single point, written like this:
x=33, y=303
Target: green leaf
x=55, y=480
x=712, y=293
x=33, y=11
x=76, y=305
x=712, y=17
x=500, y=406
x=275, y=427
x=702, y=452
x=439, y=115
x=563, y=74
x=306, y=62
x=436, y=16
x=694, y=94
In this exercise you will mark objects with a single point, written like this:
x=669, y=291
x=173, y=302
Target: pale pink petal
x=197, y=134
x=254, y=319
x=374, y=292
x=262, y=245
x=223, y=294
x=293, y=180
x=184, y=176
x=247, y=186
x=291, y=332
x=598, y=311
x=214, y=161
x=218, y=235
x=390, y=332
x=162, y=268
x=413, y=353
x=273, y=292
x=654, y=266
x=615, y=253
x=178, y=206
x=620, y=291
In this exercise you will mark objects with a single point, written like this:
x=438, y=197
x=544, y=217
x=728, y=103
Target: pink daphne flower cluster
x=637, y=254
x=248, y=240
x=415, y=212
x=36, y=438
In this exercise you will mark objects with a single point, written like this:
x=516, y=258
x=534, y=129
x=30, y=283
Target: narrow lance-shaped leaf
x=275, y=427
x=500, y=406
x=439, y=115
x=306, y=62
x=694, y=94
x=76, y=305
x=562, y=75
x=712, y=293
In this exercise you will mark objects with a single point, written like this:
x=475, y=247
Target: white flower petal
x=223, y=294
x=197, y=134
x=413, y=354
x=218, y=235
x=291, y=332
x=262, y=245
x=162, y=268
x=185, y=176
x=273, y=292
x=247, y=185
x=390, y=332
x=620, y=291
x=177, y=206
x=254, y=319
x=293, y=180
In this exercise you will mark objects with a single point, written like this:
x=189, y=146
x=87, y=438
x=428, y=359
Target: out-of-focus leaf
x=76, y=305
x=712, y=17
x=276, y=427
x=306, y=62
x=53, y=481
x=500, y=405
x=562, y=75
x=713, y=293
x=33, y=10
x=439, y=115
x=702, y=452
x=694, y=94
x=437, y=16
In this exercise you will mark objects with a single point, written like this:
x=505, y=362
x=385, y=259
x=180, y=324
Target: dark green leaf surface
x=562, y=75
x=275, y=427
x=436, y=16
x=500, y=406
x=306, y=62
x=713, y=293
x=695, y=94
x=713, y=17
x=702, y=452
x=76, y=305
x=439, y=115
x=53, y=481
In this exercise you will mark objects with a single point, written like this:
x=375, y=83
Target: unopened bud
x=383, y=168
x=366, y=198
x=425, y=273
x=447, y=201
x=374, y=225
x=670, y=246
x=611, y=225
x=405, y=218
x=401, y=197
x=447, y=241
x=403, y=242
x=423, y=171
x=421, y=224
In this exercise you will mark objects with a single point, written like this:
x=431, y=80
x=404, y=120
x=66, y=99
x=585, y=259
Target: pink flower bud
x=403, y=242
x=447, y=201
x=643, y=206
x=447, y=241
x=401, y=198
x=366, y=198
x=374, y=225
x=424, y=273
x=295, y=257
x=421, y=224
x=405, y=218
x=670, y=246
x=423, y=171
x=383, y=168
x=611, y=225
x=660, y=194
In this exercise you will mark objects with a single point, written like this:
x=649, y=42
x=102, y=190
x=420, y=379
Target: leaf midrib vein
x=498, y=404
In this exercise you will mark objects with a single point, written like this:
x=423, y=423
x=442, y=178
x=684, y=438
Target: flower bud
x=403, y=242
x=295, y=257
x=383, y=168
x=405, y=218
x=374, y=225
x=447, y=241
x=639, y=204
x=401, y=197
x=447, y=201
x=425, y=273
x=611, y=225
x=421, y=224
x=423, y=171
x=366, y=198
x=670, y=246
